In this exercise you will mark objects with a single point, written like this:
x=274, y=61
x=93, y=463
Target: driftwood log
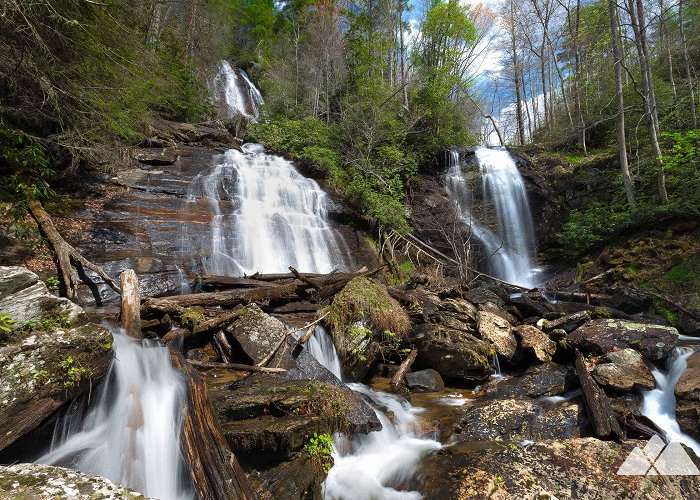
x=600, y=413
x=215, y=471
x=64, y=254
x=235, y=366
x=130, y=312
x=397, y=380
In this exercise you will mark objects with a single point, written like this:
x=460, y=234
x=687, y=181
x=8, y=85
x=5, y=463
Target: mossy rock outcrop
x=602, y=336
x=42, y=482
x=48, y=359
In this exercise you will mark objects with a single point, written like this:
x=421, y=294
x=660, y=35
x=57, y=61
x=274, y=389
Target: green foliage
x=320, y=448
x=52, y=283
x=192, y=317
x=6, y=326
x=72, y=372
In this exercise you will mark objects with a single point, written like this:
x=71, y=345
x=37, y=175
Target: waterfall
x=130, y=432
x=370, y=465
x=232, y=87
x=660, y=403
x=508, y=239
x=267, y=217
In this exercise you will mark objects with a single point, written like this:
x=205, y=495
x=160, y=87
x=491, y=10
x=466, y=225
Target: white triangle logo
x=658, y=459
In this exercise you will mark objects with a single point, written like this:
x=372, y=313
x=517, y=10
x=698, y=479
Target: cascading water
x=376, y=464
x=660, y=403
x=131, y=433
x=510, y=248
x=232, y=87
x=267, y=217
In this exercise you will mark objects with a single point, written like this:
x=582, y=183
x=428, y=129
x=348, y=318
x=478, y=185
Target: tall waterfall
x=508, y=239
x=660, y=403
x=130, y=434
x=267, y=217
x=232, y=87
x=369, y=466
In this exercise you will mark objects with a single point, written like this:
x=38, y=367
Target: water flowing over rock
x=267, y=217
x=509, y=247
x=235, y=93
x=130, y=434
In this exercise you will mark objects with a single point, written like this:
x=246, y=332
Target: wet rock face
x=536, y=343
x=424, y=381
x=602, y=336
x=623, y=370
x=688, y=387
x=35, y=482
x=499, y=333
x=47, y=362
x=573, y=468
x=544, y=380
x=271, y=415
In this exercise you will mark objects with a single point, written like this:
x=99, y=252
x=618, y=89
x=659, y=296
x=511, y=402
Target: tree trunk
x=666, y=44
x=397, y=380
x=130, y=313
x=621, y=134
x=688, y=73
x=64, y=254
x=215, y=471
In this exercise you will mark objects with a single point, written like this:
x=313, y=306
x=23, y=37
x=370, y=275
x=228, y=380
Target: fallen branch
x=309, y=332
x=404, y=367
x=235, y=366
x=600, y=412
x=130, y=312
x=64, y=254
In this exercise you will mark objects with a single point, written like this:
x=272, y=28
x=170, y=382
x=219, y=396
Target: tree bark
x=600, y=412
x=688, y=73
x=621, y=134
x=130, y=313
x=64, y=254
x=215, y=471
x=397, y=380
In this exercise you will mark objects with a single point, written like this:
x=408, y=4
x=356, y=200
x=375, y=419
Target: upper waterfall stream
x=509, y=239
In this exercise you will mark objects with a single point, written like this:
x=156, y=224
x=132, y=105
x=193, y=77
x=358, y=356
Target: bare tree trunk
x=636, y=10
x=64, y=254
x=621, y=135
x=516, y=75
x=130, y=313
x=666, y=44
x=688, y=73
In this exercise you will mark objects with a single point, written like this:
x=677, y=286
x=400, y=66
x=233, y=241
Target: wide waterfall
x=660, y=403
x=239, y=97
x=130, y=432
x=507, y=233
x=267, y=217
x=372, y=465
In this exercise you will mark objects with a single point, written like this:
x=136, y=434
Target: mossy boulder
x=42, y=482
x=48, y=361
x=602, y=336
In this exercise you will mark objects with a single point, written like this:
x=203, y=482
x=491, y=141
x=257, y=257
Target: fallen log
x=397, y=380
x=214, y=469
x=64, y=254
x=218, y=322
x=578, y=296
x=600, y=413
x=235, y=366
x=130, y=313
x=223, y=346
x=231, y=282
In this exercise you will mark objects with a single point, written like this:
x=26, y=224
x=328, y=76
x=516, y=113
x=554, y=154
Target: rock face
x=41, y=482
x=568, y=323
x=424, y=381
x=536, y=343
x=575, y=468
x=256, y=333
x=688, y=387
x=47, y=362
x=269, y=415
x=602, y=336
x=498, y=332
x=622, y=370
x=544, y=380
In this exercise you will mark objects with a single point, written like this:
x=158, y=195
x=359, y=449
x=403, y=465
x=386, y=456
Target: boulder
x=688, y=387
x=602, y=336
x=42, y=482
x=567, y=323
x=517, y=420
x=498, y=332
x=623, y=370
x=51, y=357
x=456, y=355
x=24, y=298
x=269, y=415
x=424, y=381
x=299, y=478
x=482, y=295
x=548, y=379
x=583, y=468
x=536, y=343
x=531, y=305
x=256, y=333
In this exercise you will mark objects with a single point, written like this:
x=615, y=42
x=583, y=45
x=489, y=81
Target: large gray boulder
x=256, y=333
x=499, y=332
x=427, y=380
x=622, y=370
x=42, y=482
x=52, y=356
x=602, y=336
